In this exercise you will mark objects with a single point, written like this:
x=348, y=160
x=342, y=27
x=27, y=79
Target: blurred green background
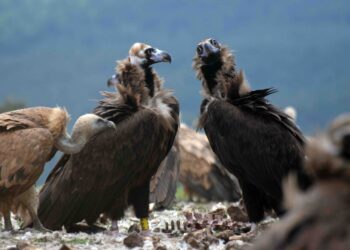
x=61, y=52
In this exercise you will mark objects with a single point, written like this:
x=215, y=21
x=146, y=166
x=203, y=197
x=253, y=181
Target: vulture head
x=145, y=55
x=209, y=51
x=84, y=128
x=90, y=124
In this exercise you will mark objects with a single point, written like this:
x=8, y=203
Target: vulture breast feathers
x=256, y=141
x=114, y=168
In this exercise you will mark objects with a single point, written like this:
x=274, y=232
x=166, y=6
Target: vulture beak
x=111, y=124
x=208, y=52
x=112, y=81
x=159, y=56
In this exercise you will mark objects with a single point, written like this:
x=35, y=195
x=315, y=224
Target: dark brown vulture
x=253, y=139
x=320, y=218
x=28, y=139
x=115, y=168
x=164, y=182
x=201, y=173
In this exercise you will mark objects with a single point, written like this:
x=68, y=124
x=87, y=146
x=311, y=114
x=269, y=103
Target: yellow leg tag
x=144, y=224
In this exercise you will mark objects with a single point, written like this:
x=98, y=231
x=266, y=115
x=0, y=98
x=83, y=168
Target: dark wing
x=255, y=102
x=87, y=183
x=253, y=144
x=164, y=182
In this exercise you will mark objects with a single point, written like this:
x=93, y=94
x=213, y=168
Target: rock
x=225, y=235
x=133, y=240
x=155, y=240
x=65, y=247
x=196, y=244
x=134, y=228
x=236, y=245
x=218, y=214
x=24, y=246
x=160, y=247
x=237, y=214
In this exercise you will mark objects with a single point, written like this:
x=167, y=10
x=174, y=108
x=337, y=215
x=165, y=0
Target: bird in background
x=28, y=139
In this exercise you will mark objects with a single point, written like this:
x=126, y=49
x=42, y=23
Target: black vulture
x=253, y=139
x=115, y=168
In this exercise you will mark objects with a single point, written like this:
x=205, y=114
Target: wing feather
x=250, y=144
x=164, y=182
x=23, y=154
x=87, y=183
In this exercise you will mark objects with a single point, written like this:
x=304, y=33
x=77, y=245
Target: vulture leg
x=36, y=222
x=139, y=199
x=114, y=226
x=7, y=221
x=277, y=207
x=253, y=200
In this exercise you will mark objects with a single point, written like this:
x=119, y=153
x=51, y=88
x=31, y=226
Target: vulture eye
x=149, y=51
x=100, y=121
x=199, y=49
x=214, y=42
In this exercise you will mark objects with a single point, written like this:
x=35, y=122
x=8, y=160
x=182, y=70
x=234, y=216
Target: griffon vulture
x=28, y=139
x=115, y=168
x=320, y=218
x=201, y=173
x=253, y=139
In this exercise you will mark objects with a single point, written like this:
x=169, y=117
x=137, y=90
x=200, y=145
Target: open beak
x=160, y=56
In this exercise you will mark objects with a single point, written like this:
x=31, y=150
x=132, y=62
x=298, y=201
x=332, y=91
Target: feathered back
x=255, y=101
x=54, y=119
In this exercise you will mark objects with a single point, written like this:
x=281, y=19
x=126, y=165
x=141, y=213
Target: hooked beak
x=113, y=81
x=111, y=124
x=160, y=56
x=208, y=53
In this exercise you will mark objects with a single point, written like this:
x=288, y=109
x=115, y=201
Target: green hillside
x=61, y=52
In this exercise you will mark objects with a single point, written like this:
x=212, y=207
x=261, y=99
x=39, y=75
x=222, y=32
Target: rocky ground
x=185, y=226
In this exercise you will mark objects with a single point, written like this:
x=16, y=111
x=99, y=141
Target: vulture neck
x=209, y=74
x=149, y=79
x=72, y=144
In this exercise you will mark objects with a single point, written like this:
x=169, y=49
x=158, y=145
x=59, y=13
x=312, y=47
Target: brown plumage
x=253, y=139
x=201, y=173
x=114, y=169
x=320, y=218
x=28, y=139
x=25, y=206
